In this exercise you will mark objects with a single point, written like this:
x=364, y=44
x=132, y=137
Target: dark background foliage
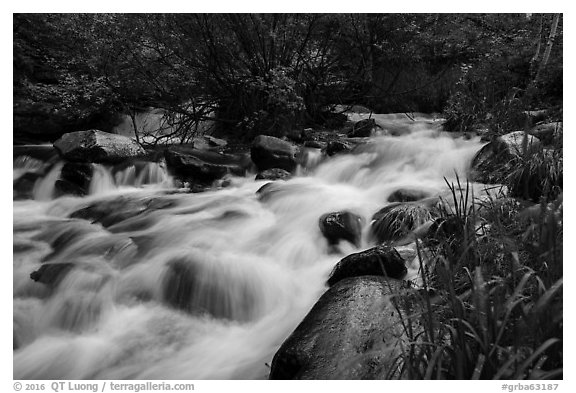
x=269, y=73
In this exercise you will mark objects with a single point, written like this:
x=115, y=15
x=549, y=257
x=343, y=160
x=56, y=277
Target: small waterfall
x=102, y=180
x=154, y=173
x=44, y=188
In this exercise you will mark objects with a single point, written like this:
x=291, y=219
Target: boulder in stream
x=342, y=225
x=97, y=146
x=199, y=165
x=335, y=147
x=494, y=161
x=269, y=152
x=377, y=261
x=363, y=128
x=352, y=332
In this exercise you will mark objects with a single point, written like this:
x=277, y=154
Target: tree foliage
x=268, y=73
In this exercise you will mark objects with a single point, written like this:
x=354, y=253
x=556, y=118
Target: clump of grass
x=537, y=175
x=492, y=306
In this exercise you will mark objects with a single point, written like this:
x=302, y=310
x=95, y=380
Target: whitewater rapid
x=259, y=260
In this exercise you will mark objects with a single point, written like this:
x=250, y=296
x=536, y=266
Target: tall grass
x=491, y=307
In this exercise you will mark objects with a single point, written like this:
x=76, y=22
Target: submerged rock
x=97, y=146
x=188, y=286
x=494, y=161
x=51, y=273
x=397, y=220
x=377, y=261
x=273, y=174
x=341, y=226
x=352, y=332
x=112, y=211
x=407, y=195
x=269, y=152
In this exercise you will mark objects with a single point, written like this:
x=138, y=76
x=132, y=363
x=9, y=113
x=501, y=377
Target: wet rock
x=74, y=179
x=377, y=261
x=269, y=152
x=273, y=174
x=397, y=220
x=51, y=273
x=494, y=161
x=97, y=146
x=549, y=132
x=179, y=284
x=352, y=332
x=112, y=211
x=341, y=226
x=363, y=128
x=407, y=195
x=264, y=192
x=335, y=147
x=203, y=166
x=188, y=287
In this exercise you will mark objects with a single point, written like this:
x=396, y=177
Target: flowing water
x=254, y=264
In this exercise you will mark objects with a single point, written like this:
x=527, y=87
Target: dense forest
x=398, y=177
x=268, y=73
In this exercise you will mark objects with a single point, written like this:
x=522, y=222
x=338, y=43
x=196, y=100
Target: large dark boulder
x=97, y=146
x=494, y=161
x=273, y=174
x=352, y=332
x=397, y=220
x=377, y=261
x=363, y=128
x=203, y=166
x=341, y=226
x=269, y=152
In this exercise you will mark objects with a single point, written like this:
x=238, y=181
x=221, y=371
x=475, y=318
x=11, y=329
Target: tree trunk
x=548, y=50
